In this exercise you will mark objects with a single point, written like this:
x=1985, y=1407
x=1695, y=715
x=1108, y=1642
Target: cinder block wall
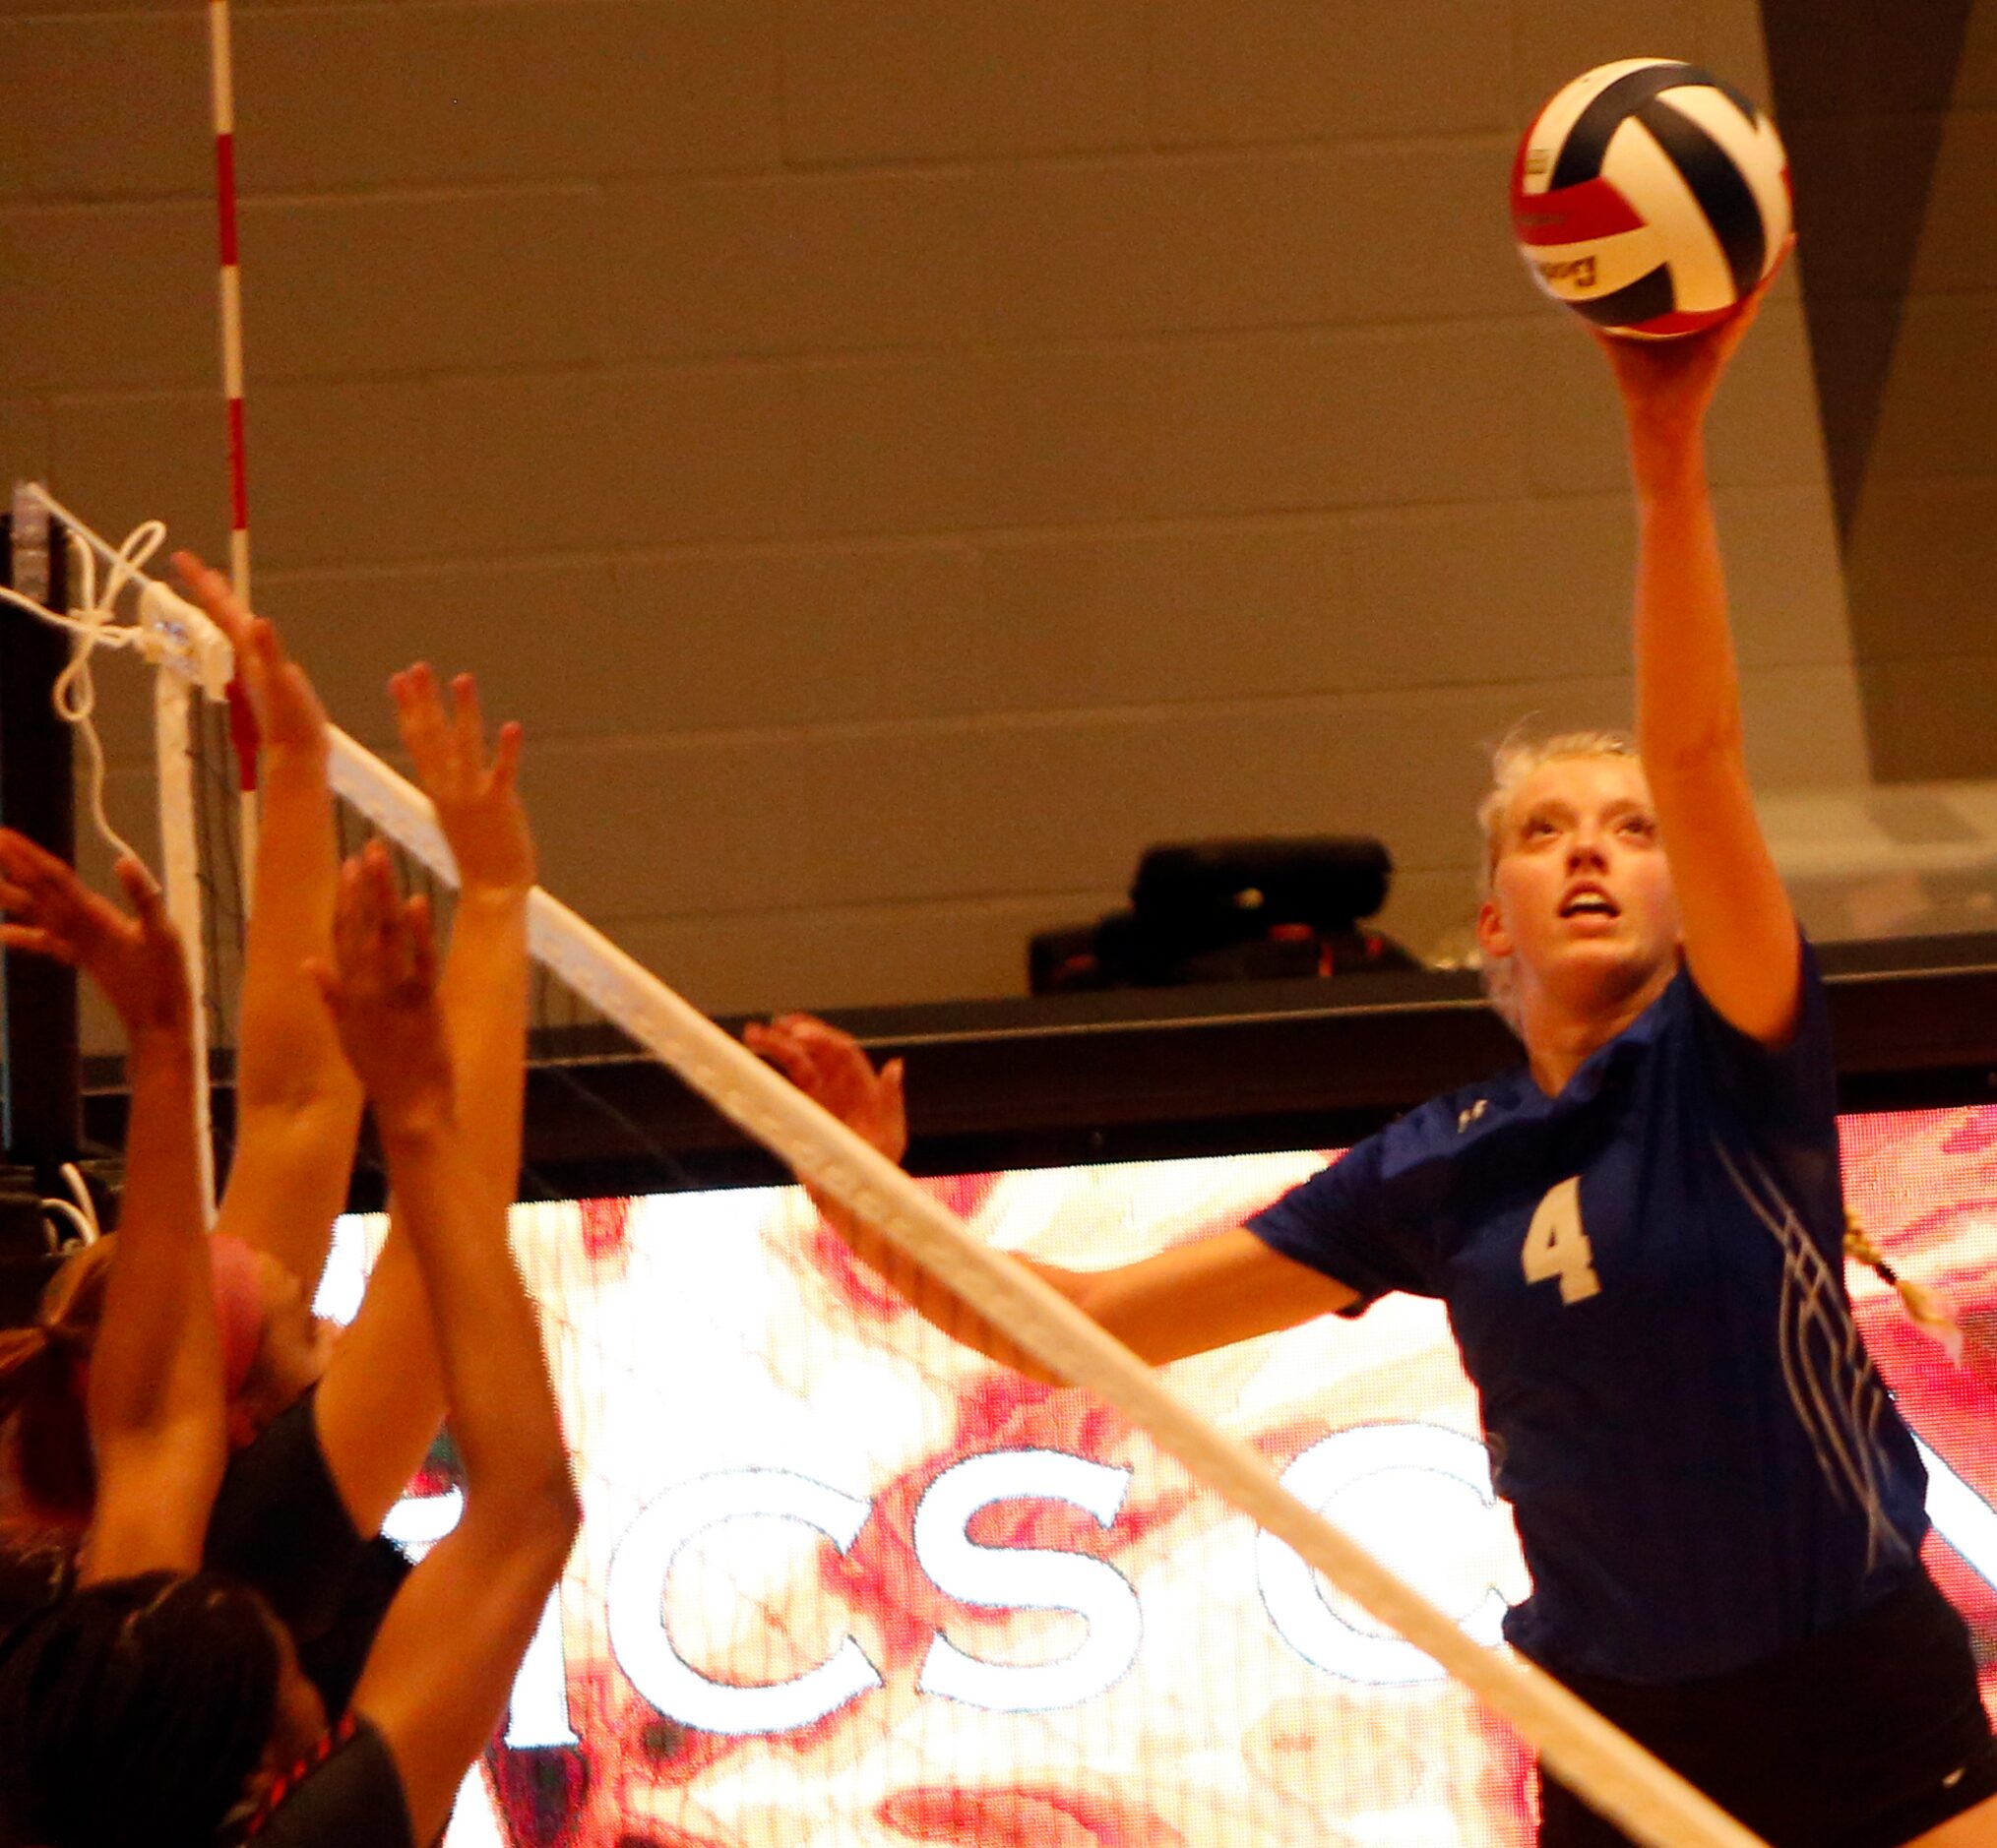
x=898, y=456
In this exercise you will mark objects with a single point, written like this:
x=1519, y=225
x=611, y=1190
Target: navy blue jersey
x=1645, y=1276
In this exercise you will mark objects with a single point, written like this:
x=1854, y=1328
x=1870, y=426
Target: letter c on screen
x=636, y=1589
x=1289, y=1587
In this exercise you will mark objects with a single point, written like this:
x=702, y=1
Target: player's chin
x=1611, y=962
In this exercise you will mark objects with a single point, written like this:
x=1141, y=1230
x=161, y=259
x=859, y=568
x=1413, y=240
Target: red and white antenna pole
x=221, y=91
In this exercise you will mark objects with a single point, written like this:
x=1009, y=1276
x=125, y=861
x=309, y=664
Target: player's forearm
x=483, y=995
x=1688, y=688
x=298, y=1103
x=289, y=1054
x=502, y=1409
x=156, y=1360
x=382, y=1401
x=943, y=1308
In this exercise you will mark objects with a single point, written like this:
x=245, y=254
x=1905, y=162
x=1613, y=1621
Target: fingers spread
x=28, y=862
x=141, y=887
x=420, y=930
x=468, y=718
x=38, y=943
x=506, y=757
x=783, y=1051
x=323, y=977
x=215, y=595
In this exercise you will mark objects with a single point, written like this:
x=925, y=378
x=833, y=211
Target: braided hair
x=136, y=1710
x=1925, y=1305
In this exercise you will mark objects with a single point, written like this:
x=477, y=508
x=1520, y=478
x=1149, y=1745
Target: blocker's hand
x=135, y=958
x=477, y=800
x=831, y=1069
x=1670, y=384
x=381, y=988
x=289, y=718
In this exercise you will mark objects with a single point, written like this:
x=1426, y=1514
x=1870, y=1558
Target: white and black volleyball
x=1650, y=196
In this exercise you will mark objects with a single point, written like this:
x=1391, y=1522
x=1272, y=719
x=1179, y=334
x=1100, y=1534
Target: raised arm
x=438, y=1676
x=297, y=1100
x=1739, y=928
x=382, y=1401
x=1192, y=1298
x=154, y=1400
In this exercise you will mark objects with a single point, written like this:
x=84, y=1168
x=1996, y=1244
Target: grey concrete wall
x=1893, y=123
x=897, y=458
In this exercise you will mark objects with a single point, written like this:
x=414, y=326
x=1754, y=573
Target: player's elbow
x=556, y=1508
x=539, y=1518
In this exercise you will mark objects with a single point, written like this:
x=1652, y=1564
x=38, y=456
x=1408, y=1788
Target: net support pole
x=41, y=1055
x=221, y=88
x=180, y=877
x=1648, y=1802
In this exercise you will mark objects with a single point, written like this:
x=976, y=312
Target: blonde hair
x=1514, y=760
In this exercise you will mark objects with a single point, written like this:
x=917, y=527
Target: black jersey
x=345, y=1794
x=278, y=1525
x=281, y=1526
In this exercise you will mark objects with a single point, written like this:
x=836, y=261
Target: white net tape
x=1649, y=1803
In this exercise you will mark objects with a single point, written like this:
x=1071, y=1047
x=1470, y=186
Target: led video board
x=844, y=1584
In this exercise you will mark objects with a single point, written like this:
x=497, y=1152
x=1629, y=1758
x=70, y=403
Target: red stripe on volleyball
x=238, y=489
x=225, y=195
x=1574, y=214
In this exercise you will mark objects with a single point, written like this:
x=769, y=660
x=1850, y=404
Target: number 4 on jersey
x=1556, y=1245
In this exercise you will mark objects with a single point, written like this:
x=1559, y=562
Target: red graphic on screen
x=605, y=1225
x=1048, y=1817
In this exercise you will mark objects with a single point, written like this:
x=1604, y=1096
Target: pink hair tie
x=238, y=1314
x=238, y=1308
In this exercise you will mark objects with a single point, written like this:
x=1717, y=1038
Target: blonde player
x=1638, y=1234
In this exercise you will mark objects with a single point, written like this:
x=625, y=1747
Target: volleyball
x=1650, y=196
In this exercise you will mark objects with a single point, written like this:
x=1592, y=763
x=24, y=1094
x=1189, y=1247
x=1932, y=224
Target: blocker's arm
x=383, y=1397
x=437, y=1678
x=297, y=1101
x=155, y=1397
x=1199, y=1296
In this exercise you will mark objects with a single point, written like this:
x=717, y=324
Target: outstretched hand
x=135, y=958
x=831, y=1070
x=477, y=800
x=1672, y=382
x=289, y=715
x=381, y=988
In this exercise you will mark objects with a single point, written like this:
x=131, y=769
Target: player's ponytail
x=41, y=1400
x=1927, y=1308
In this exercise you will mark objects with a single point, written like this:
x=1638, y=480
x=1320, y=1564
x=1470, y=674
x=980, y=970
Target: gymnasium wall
x=898, y=456
x=1893, y=131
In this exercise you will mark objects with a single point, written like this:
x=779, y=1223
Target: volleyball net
x=843, y=1581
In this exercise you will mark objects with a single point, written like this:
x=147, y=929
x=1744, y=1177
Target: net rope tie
x=167, y=631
